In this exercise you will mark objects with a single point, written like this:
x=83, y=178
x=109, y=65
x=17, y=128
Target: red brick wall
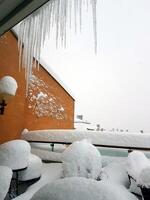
x=22, y=112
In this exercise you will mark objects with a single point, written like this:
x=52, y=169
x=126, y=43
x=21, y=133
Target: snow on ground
x=47, y=155
x=96, y=137
x=79, y=188
x=44, y=151
x=5, y=178
x=116, y=172
x=15, y=154
x=50, y=172
x=83, y=159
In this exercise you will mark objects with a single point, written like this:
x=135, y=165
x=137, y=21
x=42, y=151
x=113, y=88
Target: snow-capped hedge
x=79, y=188
x=33, y=170
x=15, y=154
x=82, y=159
x=138, y=167
x=5, y=179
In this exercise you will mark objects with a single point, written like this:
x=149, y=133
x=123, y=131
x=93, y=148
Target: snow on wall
x=101, y=138
x=42, y=102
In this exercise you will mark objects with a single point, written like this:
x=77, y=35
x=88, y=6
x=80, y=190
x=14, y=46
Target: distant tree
x=127, y=130
x=141, y=131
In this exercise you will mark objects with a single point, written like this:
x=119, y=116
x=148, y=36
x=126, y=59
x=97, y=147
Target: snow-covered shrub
x=144, y=177
x=136, y=162
x=116, y=172
x=81, y=159
x=5, y=179
x=138, y=167
x=33, y=170
x=79, y=188
x=15, y=154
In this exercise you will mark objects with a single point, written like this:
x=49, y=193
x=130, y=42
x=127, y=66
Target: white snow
x=8, y=85
x=5, y=179
x=41, y=95
x=33, y=170
x=138, y=167
x=50, y=172
x=96, y=137
x=116, y=172
x=79, y=188
x=15, y=154
x=81, y=159
x=42, y=101
x=47, y=155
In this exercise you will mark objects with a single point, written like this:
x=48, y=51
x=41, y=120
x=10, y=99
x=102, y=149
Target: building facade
x=48, y=104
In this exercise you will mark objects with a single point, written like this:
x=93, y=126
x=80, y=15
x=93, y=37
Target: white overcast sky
x=113, y=87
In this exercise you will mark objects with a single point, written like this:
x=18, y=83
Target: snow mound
x=15, y=154
x=136, y=162
x=116, y=172
x=82, y=159
x=79, y=188
x=8, y=85
x=138, y=166
x=144, y=177
x=33, y=170
x=5, y=179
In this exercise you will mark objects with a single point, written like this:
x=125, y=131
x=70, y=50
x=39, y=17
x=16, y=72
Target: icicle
x=37, y=27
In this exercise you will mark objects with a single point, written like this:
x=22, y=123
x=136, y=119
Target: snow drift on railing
x=96, y=137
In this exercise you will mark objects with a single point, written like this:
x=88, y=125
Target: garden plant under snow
x=82, y=159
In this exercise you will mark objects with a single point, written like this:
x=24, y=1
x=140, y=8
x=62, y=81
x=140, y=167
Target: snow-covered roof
x=48, y=68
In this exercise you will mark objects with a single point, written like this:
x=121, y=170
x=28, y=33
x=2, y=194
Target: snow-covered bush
x=138, y=167
x=116, y=172
x=5, y=179
x=81, y=159
x=33, y=170
x=15, y=154
x=79, y=188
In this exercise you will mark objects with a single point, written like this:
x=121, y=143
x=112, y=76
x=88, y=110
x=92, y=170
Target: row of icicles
x=37, y=27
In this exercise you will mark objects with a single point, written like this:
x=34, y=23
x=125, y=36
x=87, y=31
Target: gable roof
x=49, y=70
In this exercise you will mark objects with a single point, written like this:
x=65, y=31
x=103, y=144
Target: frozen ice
x=54, y=15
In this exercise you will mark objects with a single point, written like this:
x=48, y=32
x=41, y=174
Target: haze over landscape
x=111, y=87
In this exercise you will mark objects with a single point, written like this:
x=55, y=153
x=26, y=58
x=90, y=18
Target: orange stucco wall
x=22, y=112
